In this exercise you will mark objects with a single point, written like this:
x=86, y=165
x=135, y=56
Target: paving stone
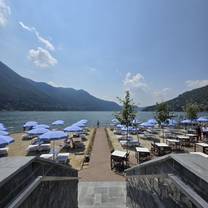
x=104, y=194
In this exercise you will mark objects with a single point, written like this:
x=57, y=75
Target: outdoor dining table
x=185, y=140
x=175, y=143
x=162, y=148
x=204, y=147
x=191, y=131
x=118, y=157
x=76, y=141
x=142, y=154
x=130, y=143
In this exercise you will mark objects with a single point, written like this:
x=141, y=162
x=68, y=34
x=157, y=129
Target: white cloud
x=142, y=92
x=132, y=82
x=46, y=42
x=41, y=57
x=192, y=84
x=5, y=12
x=30, y=29
x=48, y=45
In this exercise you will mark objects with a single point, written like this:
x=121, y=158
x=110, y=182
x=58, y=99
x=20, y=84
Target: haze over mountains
x=19, y=93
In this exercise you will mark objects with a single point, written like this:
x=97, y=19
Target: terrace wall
x=154, y=191
x=167, y=165
x=17, y=183
x=53, y=193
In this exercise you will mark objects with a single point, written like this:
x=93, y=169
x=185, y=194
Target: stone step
x=102, y=194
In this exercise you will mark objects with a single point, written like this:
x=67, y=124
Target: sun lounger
x=44, y=147
x=4, y=151
x=27, y=137
x=47, y=156
x=60, y=157
x=37, y=147
x=32, y=148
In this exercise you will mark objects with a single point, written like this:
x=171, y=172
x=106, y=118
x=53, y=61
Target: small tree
x=191, y=110
x=162, y=114
x=128, y=113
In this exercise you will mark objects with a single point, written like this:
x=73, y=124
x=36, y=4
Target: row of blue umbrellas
x=170, y=122
x=199, y=120
x=34, y=124
x=42, y=130
x=59, y=135
x=5, y=139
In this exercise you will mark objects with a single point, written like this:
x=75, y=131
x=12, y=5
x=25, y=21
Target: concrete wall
x=155, y=191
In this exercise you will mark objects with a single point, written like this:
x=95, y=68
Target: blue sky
x=155, y=48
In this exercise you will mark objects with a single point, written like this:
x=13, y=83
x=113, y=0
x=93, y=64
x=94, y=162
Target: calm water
x=15, y=120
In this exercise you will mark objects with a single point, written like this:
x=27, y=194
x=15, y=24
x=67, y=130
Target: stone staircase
x=102, y=194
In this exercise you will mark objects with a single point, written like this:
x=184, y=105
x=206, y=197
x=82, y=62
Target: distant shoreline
x=59, y=111
x=84, y=111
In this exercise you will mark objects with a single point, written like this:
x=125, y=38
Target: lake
x=15, y=120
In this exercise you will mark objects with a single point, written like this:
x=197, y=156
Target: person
x=205, y=132
x=198, y=132
x=98, y=124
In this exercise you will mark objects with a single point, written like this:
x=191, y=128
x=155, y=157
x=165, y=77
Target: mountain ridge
x=198, y=96
x=19, y=93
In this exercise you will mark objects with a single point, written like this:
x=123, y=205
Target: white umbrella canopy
x=147, y=124
x=30, y=124
x=202, y=120
x=84, y=121
x=171, y=122
x=37, y=131
x=115, y=121
x=5, y=140
x=41, y=126
x=152, y=121
x=2, y=127
x=53, y=135
x=73, y=128
x=79, y=124
x=136, y=121
x=186, y=121
x=58, y=122
x=4, y=133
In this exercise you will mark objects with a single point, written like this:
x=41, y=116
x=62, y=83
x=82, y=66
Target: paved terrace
x=99, y=165
x=99, y=186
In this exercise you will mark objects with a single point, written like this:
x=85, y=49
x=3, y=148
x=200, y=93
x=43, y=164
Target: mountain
x=19, y=93
x=198, y=96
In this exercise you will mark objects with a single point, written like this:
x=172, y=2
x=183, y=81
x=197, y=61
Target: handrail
x=19, y=186
x=19, y=199
x=196, y=199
